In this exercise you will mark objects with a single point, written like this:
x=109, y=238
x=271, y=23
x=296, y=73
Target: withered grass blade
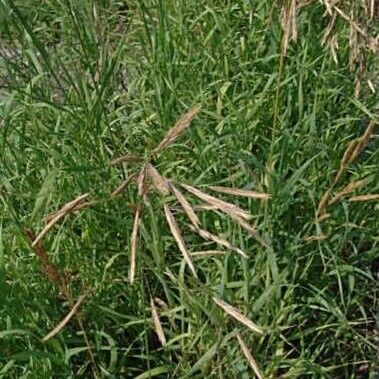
x=159, y=183
x=142, y=183
x=221, y=241
x=236, y=314
x=127, y=158
x=224, y=206
x=69, y=207
x=175, y=231
x=134, y=244
x=241, y=192
x=157, y=323
x=63, y=323
x=178, y=128
x=122, y=187
x=316, y=237
x=368, y=197
x=249, y=357
x=186, y=206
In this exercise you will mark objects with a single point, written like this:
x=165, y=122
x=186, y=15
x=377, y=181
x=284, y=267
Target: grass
x=133, y=285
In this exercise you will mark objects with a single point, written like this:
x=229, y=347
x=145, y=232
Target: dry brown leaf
x=157, y=323
x=159, y=183
x=178, y=128
x=175, y=231
x=122, y=187
x=69, y=207
x=368, y=197
x=134, y=243
x=241, y=192
x=236, y=314
x=186, y=206
x=63, y=323
x=211, y=237
x=224, y=206
x=249, y=357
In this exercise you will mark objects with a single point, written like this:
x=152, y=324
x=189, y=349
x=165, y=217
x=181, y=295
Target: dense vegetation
x=274, y=98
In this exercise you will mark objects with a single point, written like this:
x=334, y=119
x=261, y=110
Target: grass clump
x=188, y=189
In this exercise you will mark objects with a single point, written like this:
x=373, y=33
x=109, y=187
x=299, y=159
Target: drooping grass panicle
x=241, y=192
x=175, y=231
x=134, y=244
x=183, y=123
x=157, y=323
x=237, y=315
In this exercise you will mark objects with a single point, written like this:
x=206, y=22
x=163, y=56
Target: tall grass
x=142, y=236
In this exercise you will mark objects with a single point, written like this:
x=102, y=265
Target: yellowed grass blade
x=178, y=238
x=241, y=192
x=133, y=244
x=323, y=217
x=368, y=197
x=224, y=206
x=211, y=237
x=157, y=323
x=178, y=128
x=236, y=314
x=249, y=357
x=69, y=207
x=122, y=187
x=159, y=183
x=187, y=207
x=127, y=158
x=63, y=323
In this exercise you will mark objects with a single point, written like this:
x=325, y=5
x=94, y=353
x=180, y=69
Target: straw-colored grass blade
x=252, y=231
x=224, y=206
x=63, y=323
x=237, y=315
x=316, y=237
x=368, y=197
x=123, y=186
x=175, y=231
x=241, y=192
x=249, y=357
x=211, y=237
x=186, y=206
x=134, y=243
x=141, y=182
x=126, y=158
x=183, y=123
x=159, y=183
x=69, y=207
x=157, y=323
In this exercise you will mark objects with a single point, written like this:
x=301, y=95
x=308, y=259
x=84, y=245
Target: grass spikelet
x=157, y=323
x=211, y=237
x=249, y=357
x=126, y=158
x=122, y=187
x=159, y=183
x=237, y=315
x=69, y=207
x=134, y=243
x=241, y=192
x=183, y=123
x=186, y=206
x=228, y=208
x=68, y=317
x=208, y=253
x=348, y=189
x=368, y=197
x=175, y=231
x=316, y=237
